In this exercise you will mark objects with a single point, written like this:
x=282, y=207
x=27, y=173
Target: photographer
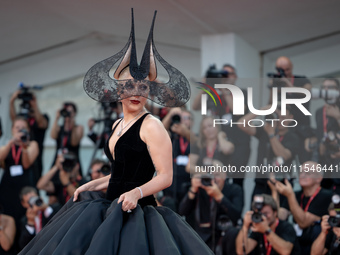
x=212, y=143
x=69, y=135
x=277, y=144
x=213, y=76
x=99, y=169
x=37, y=215
x=307, y=206
x=18, y=155
x=285, y=78
x=328, y=240
x=7, y=233
x=178, y=123
x=217, y=206
x=240, y=139
x=63, y=178
x=269, y=235
x=37, y=121
x=108, y=109
x=328, y=126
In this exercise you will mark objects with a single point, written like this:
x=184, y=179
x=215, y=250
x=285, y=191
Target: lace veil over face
x=101, y=87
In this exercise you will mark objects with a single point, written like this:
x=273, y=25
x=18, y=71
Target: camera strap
x=210, y=153
x=15, y=155
x=310, y=199
x=267, y=244
x=324, y=120
x=183, y=145
x=31, y=121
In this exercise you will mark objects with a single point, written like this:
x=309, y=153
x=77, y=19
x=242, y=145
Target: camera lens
x=334, y=221
x=25, y=135
x=35, y=201
x=65, y=113
x=176, y=119
x=256, y=217
x=69, y=162
x=206, y=180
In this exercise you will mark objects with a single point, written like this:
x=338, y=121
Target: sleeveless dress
x=96, y=225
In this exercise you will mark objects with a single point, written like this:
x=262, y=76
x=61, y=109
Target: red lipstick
x=135, y=101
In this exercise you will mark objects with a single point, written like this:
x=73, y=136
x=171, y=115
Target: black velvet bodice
x=132, y=166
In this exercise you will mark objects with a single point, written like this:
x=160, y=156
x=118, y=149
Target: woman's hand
x=82, y=188
x=129, y=199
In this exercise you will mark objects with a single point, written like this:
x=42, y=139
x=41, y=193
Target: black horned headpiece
x=101, y=87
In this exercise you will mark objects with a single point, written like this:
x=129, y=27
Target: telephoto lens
x=258, y=205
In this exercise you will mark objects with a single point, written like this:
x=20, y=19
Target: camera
x=35, y=201
x=331, y=96
x=334, y=221
x=223, y=223
x=331, y=142
x=25, y=135
x=276, y=78
x=26, y=97
x=70, y=161
x=175, y=119
x=257, y=207
x=213, y=72
x=105, y=169
x=280, y=73
x=206, y=179
x=65, y=113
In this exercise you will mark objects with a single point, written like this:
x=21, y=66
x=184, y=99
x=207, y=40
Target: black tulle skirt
x=95, y=225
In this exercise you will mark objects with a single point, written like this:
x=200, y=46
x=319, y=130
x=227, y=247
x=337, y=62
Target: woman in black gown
x=127, y=221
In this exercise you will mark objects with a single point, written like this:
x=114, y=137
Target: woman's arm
x=191, y=166
x=7, y=232
x=77, y=134
x=95, y=185
x=29, y=154
x=159, y=145
x=55, y=128
x=226, y=146
x=45, y=182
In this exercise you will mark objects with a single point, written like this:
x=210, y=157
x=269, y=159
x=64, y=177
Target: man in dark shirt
x=288, y=79
x=213, y=200
x=269, y=236
x=277, y=145
x=328, y=125
x=63, y=178
x=307, y=206
x=37, y=215
x=328, y=240
x=178, y=123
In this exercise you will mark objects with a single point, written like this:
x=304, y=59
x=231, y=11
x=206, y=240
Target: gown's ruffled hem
x=95, y=225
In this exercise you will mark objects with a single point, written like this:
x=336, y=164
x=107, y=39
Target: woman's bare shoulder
x=151, y=122
x=152, y=127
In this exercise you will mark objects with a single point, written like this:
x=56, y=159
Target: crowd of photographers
x=23, y=211
x=280, y=220
x=291, y=213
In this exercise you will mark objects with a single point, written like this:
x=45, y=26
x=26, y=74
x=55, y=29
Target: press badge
x=298, y=230
x=182, y=160
x=16, y=170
